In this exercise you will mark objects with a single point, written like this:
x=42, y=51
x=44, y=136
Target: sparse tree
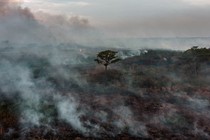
x=107, y=57
x=197, y=56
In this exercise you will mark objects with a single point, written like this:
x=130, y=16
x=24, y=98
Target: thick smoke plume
x=20, y=26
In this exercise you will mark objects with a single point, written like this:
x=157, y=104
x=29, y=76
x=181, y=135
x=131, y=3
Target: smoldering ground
x=51, y=89
x=45, y=91
x=61, y=90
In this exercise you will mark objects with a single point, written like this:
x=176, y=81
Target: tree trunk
x=105, y=67
x=197, y=66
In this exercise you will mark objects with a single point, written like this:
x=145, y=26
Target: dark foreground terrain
x=62, y=94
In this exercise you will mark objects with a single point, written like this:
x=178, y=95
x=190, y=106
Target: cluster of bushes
x=160, y=68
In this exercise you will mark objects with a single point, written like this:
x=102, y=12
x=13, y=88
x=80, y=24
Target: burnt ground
x=164, y=116
x=139, y=98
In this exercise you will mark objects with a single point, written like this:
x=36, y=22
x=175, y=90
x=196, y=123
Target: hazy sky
x=153, y=18
x=136, y=17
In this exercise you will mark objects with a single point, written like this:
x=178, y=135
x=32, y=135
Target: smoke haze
x=21, y=26
x=47, y=71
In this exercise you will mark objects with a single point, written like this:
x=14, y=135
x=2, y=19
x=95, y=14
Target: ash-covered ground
x=60, y=93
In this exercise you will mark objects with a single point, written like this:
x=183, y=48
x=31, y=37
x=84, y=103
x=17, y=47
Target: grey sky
x=162, y=18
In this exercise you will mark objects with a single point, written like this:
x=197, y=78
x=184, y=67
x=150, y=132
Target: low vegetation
x=160, y=94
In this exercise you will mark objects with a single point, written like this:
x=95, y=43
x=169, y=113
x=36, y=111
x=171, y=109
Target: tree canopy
x=107, y=57
x=197, y=56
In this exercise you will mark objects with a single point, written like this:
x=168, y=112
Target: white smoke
x=126, y=120
x=67, y=109
x=130, y=53
x=40, y=54
x=22, y=85
x=20, y=26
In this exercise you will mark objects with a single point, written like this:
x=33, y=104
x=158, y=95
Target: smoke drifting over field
x=45, y=86
x=51, y=88
x=48, y=76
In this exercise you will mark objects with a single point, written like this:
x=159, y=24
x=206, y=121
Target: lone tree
x=107, y=57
